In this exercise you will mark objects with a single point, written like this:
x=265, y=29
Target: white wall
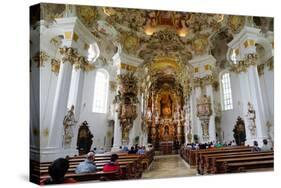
x=229, y=117
x=98, y=122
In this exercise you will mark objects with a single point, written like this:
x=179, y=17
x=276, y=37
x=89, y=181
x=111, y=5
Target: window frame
x=226, y=92
x=97, y=87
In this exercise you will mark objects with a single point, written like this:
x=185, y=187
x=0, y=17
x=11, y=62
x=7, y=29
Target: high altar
x=166, y=127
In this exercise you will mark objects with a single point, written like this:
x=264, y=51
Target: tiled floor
x=168, y=166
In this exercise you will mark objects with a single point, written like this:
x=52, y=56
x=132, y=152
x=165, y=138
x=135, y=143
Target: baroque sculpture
x=127, y=103
x=84, y=139
x=251, y=115
x=239, y=133
x=204, y=111
x=68, y=123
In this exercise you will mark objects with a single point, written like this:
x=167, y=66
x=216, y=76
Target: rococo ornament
x=83, y=64
x=40, y=58
x=55, y=66
x=68, y=54
x=204, y=111
x=242, y=66
x=127, y=101
x=236, y=23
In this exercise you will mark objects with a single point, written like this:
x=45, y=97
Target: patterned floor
x=168, y=166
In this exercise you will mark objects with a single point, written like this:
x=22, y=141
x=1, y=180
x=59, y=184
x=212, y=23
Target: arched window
x=101, y=91
x=226, y=93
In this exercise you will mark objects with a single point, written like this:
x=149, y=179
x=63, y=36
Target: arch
x=101, y=91
x=267, y=47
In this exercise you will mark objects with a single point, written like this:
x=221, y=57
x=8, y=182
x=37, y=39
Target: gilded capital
x=40, y=58
x=242, y=66
x=201, y=82
x=68, y=54
x=83, y=64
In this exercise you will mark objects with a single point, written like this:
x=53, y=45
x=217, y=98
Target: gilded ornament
x=236, y=23
x=249, y=43
x=40, y=58
x=87, y=14
x=83, y=64
x=261, y=69
x=270, y=64
x=200, y=45
x=68, y=54
x=46, y=132
x=49, y=12
x=55, y=66
x=130, y=42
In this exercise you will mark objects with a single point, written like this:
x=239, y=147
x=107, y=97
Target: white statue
x=251, y=115
x=68, y=122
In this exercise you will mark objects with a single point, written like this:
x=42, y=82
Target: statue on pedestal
x=239, y=133
x=84, y=139
x=68, y=123
x=251, y=115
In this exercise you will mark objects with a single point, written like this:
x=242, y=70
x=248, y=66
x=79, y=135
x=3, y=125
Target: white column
x=251, y=92
x=257, y=100
x=196, y=123
x=212, y=126
x=60, y=107
x=117, y=133
x=75, y=98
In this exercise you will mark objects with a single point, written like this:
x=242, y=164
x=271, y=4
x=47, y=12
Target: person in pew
x=87, y=166
x=57, y=171
x=132, y=151
x=233, y=143
x=113, y=165
x=141, y=151
x=218, y=145
x=265, y=146
x=256, y=147
x=136, y=148
x=125, y=149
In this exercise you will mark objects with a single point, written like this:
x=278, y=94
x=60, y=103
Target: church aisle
x=168, y=166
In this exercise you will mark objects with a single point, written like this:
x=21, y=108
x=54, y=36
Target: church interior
x=178, y=85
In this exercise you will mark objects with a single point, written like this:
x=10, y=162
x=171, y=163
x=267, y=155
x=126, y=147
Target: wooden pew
x=206, y=159
x=236, y=163
x=131, y=164
x=192, y=157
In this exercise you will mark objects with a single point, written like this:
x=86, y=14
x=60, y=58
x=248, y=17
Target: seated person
x=57, y=171
x=132, y=151
x=218, y=145
x=256, y=146
x=141, y=151
x=136, y=148
x=125, y=149
x=265, y=146
x=149, y=147
x=94, y=150
x=233, y=143
x=88, y=165
x=112, y=165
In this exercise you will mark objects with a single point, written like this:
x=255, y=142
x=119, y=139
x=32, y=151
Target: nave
x=165, y=81
x=166, y=166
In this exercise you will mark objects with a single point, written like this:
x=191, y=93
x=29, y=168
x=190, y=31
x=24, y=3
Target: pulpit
x=166, y=147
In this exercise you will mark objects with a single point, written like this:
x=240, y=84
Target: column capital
x=68, y=54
